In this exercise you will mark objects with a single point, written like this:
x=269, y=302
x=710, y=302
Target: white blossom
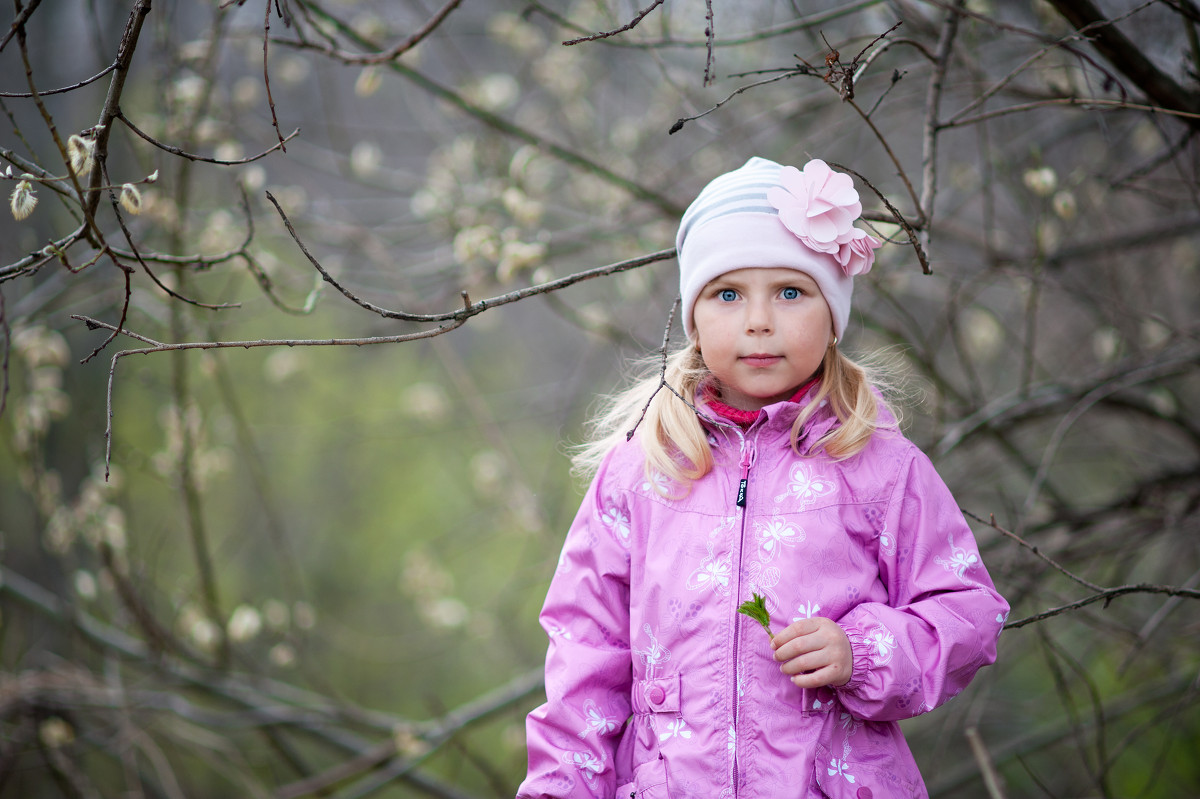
x=23, y=200
x=131, y=199
x=80, y=152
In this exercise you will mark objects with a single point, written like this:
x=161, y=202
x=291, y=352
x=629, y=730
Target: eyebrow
x=796, y=277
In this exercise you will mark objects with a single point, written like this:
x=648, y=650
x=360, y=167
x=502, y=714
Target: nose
x=759, y=317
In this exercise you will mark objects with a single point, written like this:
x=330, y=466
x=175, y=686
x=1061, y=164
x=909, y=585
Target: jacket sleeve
x=943, y=616
x=572, y=738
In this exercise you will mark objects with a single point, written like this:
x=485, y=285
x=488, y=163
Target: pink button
x=656, y=695
x=864, y=793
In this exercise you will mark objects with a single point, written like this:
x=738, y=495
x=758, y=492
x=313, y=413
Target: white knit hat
x=767, y=215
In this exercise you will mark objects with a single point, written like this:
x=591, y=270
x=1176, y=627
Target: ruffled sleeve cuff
x=860, y=650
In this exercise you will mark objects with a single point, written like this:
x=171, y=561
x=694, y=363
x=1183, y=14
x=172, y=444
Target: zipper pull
x=741, y=495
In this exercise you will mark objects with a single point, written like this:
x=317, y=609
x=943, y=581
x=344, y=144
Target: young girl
x=782, y=475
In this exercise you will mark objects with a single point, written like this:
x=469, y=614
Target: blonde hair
x=674, y=441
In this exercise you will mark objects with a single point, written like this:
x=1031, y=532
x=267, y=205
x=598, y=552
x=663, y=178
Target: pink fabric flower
x=817, y=204
x=820, y=206
x=856, y=252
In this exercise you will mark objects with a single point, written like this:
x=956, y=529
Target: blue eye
x=728, y=295
x=791, y=293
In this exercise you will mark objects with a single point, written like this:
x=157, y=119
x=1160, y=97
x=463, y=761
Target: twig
x=627, y=27
x=1103, y=35
x=1106, y=596
x=443, y=730
x=64, y=89
x=156, y=346
x=36, y=260
x=1081, y=101
x=319, y=783
x=1000, y=84
x=933, y=100
x=112, y=101
x=470, y=309
x=991, y=522
x=784, y=29
x=194, y=157
x=709, y=37
x=125, y=272
x=1017, y=405
x=908, y=227
x=89, y=222
x=23, y=15
x=991, y=779
x=260, y=701
x=662, y=375
x=679, y=123
x=267, y=77
x=1101, y=594
x=659, y=201
x=412, y=41
x=379, y=56
x=846, y=74
x=1146, y=373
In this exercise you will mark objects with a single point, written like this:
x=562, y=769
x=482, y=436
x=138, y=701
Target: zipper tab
x=741, y=495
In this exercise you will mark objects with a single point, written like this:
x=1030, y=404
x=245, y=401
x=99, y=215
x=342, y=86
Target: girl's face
x=762, y=332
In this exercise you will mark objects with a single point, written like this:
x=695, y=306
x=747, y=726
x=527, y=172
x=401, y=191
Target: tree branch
x=1127, y=57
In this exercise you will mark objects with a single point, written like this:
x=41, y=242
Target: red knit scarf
x=746, y=418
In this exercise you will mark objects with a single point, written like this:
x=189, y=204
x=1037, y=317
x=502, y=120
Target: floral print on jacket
x=657, y=688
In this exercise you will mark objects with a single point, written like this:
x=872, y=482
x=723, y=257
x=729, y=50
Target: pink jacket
x=657, y=688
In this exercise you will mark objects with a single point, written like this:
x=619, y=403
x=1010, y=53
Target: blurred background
x=307, y=559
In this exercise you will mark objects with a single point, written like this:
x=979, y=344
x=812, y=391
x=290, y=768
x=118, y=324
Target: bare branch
x=1129, y=59
x=116, y=88
x=898, y=217
x=470, y=309
x=1107, y=595
x=783, y=29
x=626, y=27
x=1087, y=103
x=496, y=122
x=679, y=123
x=64, y=89
x=662, y=375
x=267, y=76
x=94, y=324
x=194, y=157
x=933, y=100
x=23, y=15
x=991, y=522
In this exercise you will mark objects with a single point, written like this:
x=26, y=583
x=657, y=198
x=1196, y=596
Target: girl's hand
x=815, y=652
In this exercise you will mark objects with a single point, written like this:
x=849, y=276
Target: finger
x=809, y=662
x=794, y=630
x=795, y=648
x=833, y=674
x=811, y=641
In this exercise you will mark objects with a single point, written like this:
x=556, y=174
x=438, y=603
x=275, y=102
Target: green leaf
x=756, y=609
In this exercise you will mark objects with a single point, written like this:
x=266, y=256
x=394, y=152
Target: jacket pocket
x=847, y=779
x=649, y=782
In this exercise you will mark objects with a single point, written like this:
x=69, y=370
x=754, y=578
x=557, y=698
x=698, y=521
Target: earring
x=833, y=343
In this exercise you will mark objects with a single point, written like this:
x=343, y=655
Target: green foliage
x=756, y=608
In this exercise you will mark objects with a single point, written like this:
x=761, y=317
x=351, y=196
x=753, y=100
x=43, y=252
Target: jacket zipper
x=747, y=459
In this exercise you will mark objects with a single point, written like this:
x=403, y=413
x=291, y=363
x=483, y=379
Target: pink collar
x=746, y=418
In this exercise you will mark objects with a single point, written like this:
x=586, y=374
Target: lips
x=760, y=359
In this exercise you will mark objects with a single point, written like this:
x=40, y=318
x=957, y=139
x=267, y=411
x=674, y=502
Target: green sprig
x=756, y=609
